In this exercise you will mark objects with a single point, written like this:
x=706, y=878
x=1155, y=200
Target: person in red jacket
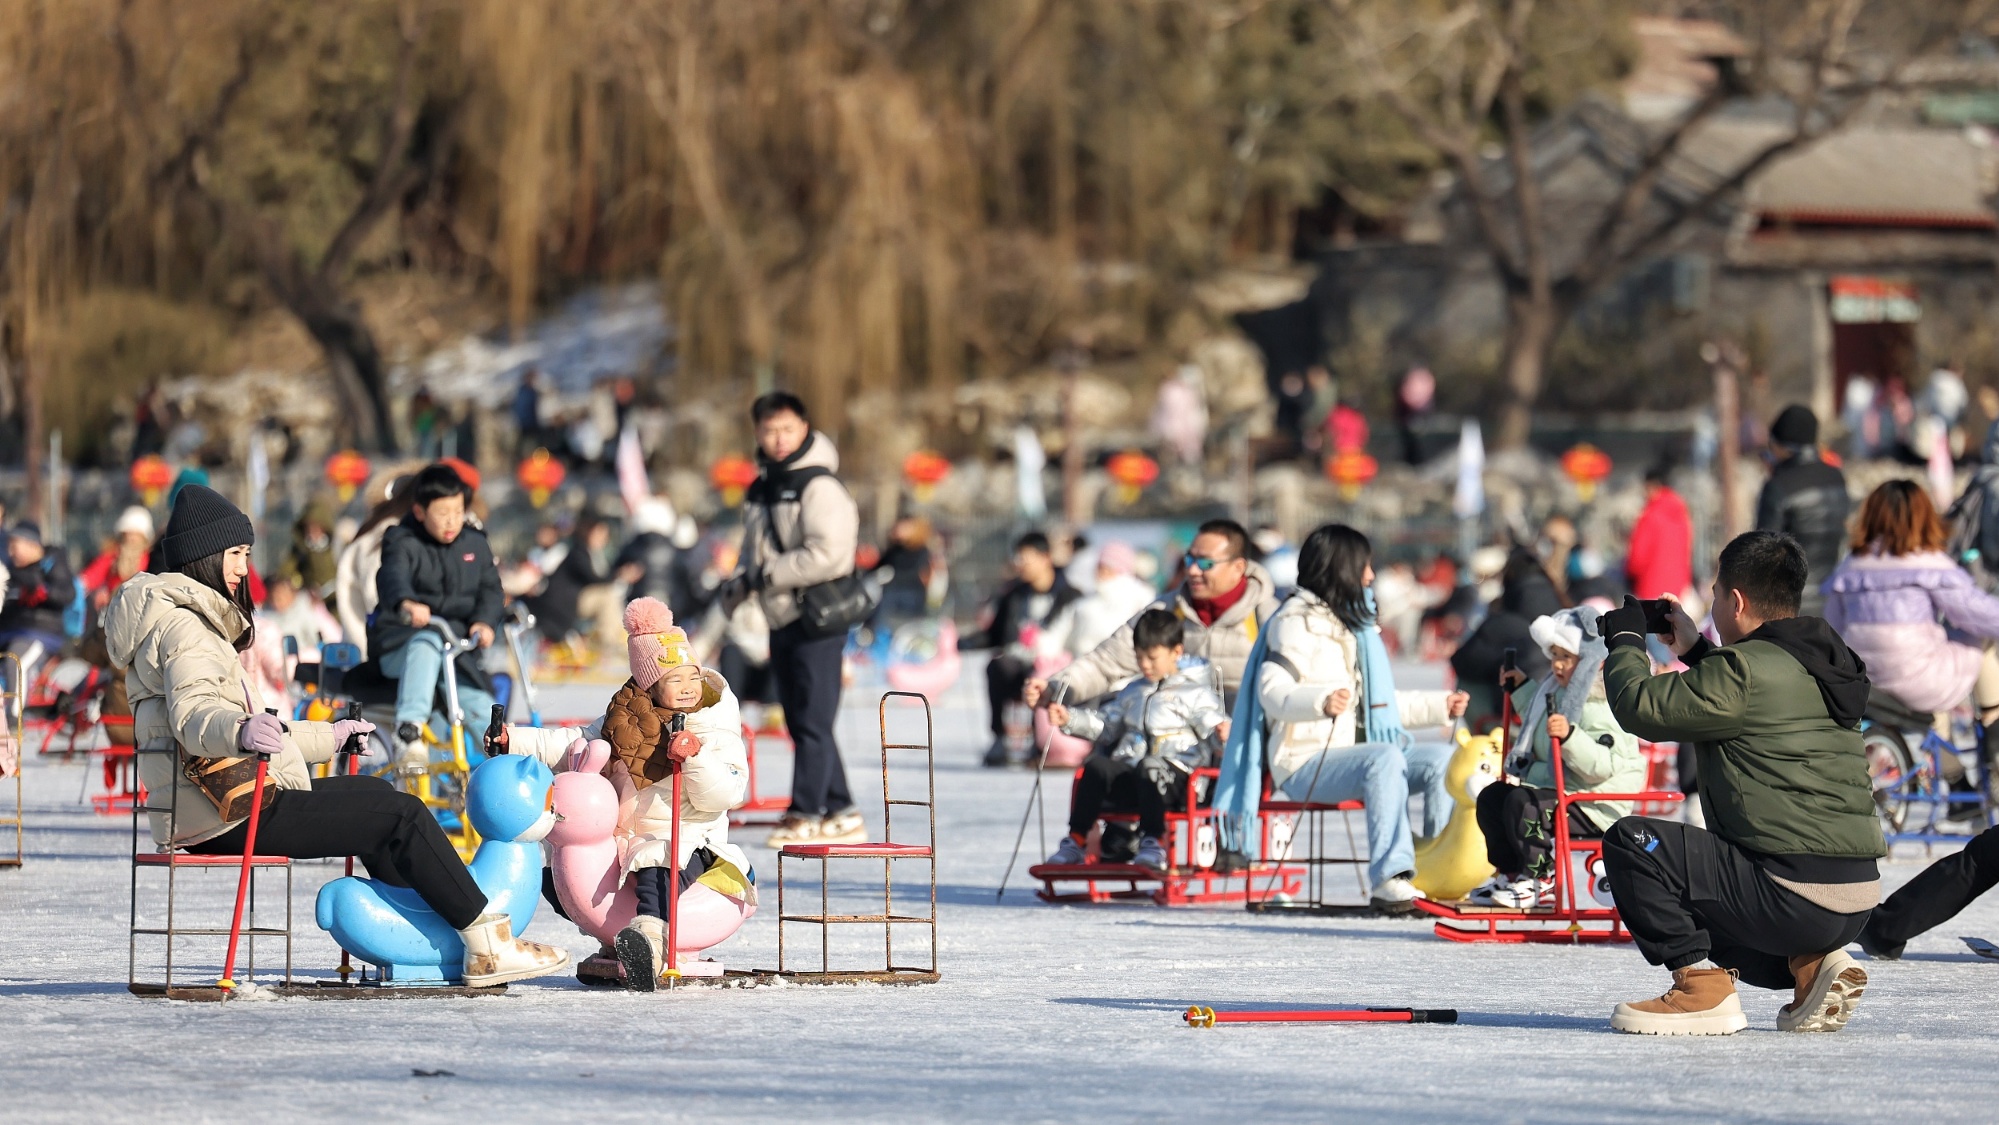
x=1660, y=560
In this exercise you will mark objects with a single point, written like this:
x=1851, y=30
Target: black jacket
x=1528, y=593
x=37, y=596
x=457, y=580
x=1807, y=498
x=555, y=608
x=654, y=553
x=1011, y=611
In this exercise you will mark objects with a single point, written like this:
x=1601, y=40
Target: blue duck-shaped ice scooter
x=391, y=927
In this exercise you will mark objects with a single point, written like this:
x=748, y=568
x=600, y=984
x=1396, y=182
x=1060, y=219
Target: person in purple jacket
x=1918, y=620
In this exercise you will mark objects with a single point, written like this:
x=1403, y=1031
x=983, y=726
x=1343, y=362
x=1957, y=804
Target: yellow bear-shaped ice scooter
x=1451, y=863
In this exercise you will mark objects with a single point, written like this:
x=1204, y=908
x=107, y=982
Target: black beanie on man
x=1796, y=426
x=201, y=524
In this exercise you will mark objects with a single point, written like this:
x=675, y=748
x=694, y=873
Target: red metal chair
x=888, y=850
x=1567, y=920
x=757, y=810
x=146, y=856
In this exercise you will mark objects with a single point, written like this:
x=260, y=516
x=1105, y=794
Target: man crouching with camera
x=1784, y=875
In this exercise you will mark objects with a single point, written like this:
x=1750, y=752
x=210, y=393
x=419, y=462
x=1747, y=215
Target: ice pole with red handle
x=1199, y=1016
x=678, y=724
x=228, y=981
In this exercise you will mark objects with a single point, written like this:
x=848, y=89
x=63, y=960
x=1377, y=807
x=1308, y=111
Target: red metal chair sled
x=1193, y=843
x=757, y=810
x=1568, y=920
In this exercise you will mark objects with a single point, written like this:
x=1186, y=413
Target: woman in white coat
x=1311, y=689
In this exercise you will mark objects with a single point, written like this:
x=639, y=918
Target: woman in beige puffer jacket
x=180, y=635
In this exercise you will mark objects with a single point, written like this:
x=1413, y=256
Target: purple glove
x=261, y=734
x=348, y=728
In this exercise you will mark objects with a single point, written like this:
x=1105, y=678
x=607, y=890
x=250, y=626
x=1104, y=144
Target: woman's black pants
x=393, y=835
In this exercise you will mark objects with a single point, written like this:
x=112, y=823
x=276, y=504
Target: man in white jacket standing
x=800, y=527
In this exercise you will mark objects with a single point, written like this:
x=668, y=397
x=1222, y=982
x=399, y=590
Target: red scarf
x=1209, y=610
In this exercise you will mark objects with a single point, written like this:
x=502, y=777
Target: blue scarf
x=1240, y=788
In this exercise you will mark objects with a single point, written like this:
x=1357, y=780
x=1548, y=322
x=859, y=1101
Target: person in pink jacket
x=1912, y=614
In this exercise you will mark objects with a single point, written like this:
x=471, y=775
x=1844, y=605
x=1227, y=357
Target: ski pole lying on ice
x=1198, y=1016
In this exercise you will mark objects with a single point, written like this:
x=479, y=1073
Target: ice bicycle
x=1922, y=786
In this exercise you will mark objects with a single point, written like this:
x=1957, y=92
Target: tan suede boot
x=1828, y=989
x=1701, y=1002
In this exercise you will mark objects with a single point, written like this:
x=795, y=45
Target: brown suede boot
x=1828, y=989
x=1701, y=1002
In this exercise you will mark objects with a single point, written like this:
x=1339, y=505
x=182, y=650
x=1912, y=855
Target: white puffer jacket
x=1310, y=656
x=713, y=782
x=175, y=638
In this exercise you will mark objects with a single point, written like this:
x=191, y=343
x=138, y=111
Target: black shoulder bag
x=831, y=608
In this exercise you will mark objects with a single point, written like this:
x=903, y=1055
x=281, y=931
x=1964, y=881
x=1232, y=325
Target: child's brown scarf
x=636, y=730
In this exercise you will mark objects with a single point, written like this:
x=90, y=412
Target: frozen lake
x=1044, y=1012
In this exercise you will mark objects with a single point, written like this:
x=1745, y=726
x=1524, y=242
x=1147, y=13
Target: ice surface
x=1044, y=1013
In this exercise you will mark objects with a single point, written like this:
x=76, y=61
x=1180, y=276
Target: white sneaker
x=1394, y=895
x=1068, y=853
x=843, y=827
x=1481, y=895
x=493, y=955
x=1525, y=894
x=795, y=828
x=1151, y=854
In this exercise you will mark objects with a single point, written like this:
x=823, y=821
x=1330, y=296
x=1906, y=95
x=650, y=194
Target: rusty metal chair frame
x=888, y=851
x=13, y=700
x=173, y=860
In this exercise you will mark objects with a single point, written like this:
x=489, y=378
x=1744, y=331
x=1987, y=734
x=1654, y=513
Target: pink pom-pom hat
x=653, y=641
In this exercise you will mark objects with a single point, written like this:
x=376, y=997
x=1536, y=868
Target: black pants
x=750, y=682
x=391, y=833
x=1935, y=896
x=1107, y=782
x=1005, y=677
x=1687, y=894
x=650, y=882
x=1519, y=827
x=807, y=672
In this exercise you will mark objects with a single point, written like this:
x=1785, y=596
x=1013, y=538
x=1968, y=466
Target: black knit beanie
x=201, y=524
x=1796, y=426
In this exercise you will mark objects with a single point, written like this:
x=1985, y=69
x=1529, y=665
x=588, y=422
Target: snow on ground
x=1044, y=1012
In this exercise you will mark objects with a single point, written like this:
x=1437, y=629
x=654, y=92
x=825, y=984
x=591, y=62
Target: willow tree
x=1473, y=80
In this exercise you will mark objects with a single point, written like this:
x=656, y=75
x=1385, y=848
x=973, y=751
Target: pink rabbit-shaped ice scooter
x=588, y=865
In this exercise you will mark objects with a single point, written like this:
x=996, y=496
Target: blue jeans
x=416, y=666
x=1382, y=776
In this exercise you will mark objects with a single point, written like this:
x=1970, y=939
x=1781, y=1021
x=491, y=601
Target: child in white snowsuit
x=1149, y=739
x=1598, y=755
x=666, y=685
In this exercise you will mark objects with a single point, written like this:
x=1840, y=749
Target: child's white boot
x=493, y=955
x=642, y=951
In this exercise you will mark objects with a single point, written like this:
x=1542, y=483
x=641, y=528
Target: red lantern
x=732, y=476
x=151, y=475
x=925, y=469
x=347, y=471
x=1132, y=471
x=1350, y=469
x=541, y=475
x=1586, y=465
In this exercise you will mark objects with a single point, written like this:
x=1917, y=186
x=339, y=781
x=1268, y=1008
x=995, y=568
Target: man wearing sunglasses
x=1222, y=601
